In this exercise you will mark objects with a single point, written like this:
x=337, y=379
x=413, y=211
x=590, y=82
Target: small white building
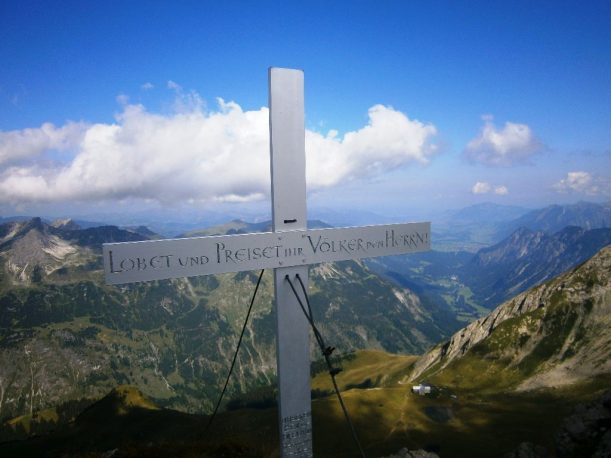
x=421, y=389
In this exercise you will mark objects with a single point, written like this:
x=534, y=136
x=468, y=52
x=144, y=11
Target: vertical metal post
x=287, y=149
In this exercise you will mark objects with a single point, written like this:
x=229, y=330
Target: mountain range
x=66, y=336
x=587, y=215
x=527, y=380
x=527, y=258
x=482, y=225
x=67, y=339
x=471, y=284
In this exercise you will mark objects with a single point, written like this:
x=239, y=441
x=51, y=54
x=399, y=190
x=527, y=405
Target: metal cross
x=289, y=249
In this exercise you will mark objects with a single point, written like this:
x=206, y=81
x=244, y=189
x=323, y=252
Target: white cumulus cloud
x=501, y=190
x=482, y=187
x=389, y=140
x=196, y=155
x=16, y=145
x=584, y=183
x=512, y=144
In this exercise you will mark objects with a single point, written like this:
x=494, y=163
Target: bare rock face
x=587, y=431
x=405, y=453
x=528, y=450
x=66, y=224
x=561, y=312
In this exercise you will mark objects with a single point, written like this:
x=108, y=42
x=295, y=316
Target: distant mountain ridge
x=475, y=227
x=486, y=212
x=554, y=218
x=472, y=284
x=470, y=228
x=527, y=258
x=33, y=248
x=68, y=230
x=238, y=226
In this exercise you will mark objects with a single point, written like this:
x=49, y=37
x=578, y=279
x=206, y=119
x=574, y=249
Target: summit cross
x=289, y=249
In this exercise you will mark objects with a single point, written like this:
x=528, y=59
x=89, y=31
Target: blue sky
x=455, y=103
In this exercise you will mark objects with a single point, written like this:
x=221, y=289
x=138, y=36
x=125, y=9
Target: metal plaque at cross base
x=289, y=249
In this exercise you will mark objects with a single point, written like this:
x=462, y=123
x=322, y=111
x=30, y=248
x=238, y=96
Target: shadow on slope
x=386, y=415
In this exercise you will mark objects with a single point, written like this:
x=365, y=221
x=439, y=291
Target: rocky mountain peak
x=65, y=224
x=17, y=229
x=31, y=249
x=121, y=400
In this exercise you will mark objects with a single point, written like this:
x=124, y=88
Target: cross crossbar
x=130, y=262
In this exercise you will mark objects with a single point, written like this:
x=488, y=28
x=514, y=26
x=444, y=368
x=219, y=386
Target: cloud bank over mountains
x=584, y=183
x=193, y=154
x=483, y=187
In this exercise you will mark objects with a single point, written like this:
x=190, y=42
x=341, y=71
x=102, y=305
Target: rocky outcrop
x=32, y=249
x=66, y=224
x=528, y=450
x=405, y=453
x=587, y=431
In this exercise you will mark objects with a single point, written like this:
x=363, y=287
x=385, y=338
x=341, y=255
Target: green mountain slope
x=507, y=379
x=126, y=423
x=555, y=334
x=387, y=416
x=509, y=383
